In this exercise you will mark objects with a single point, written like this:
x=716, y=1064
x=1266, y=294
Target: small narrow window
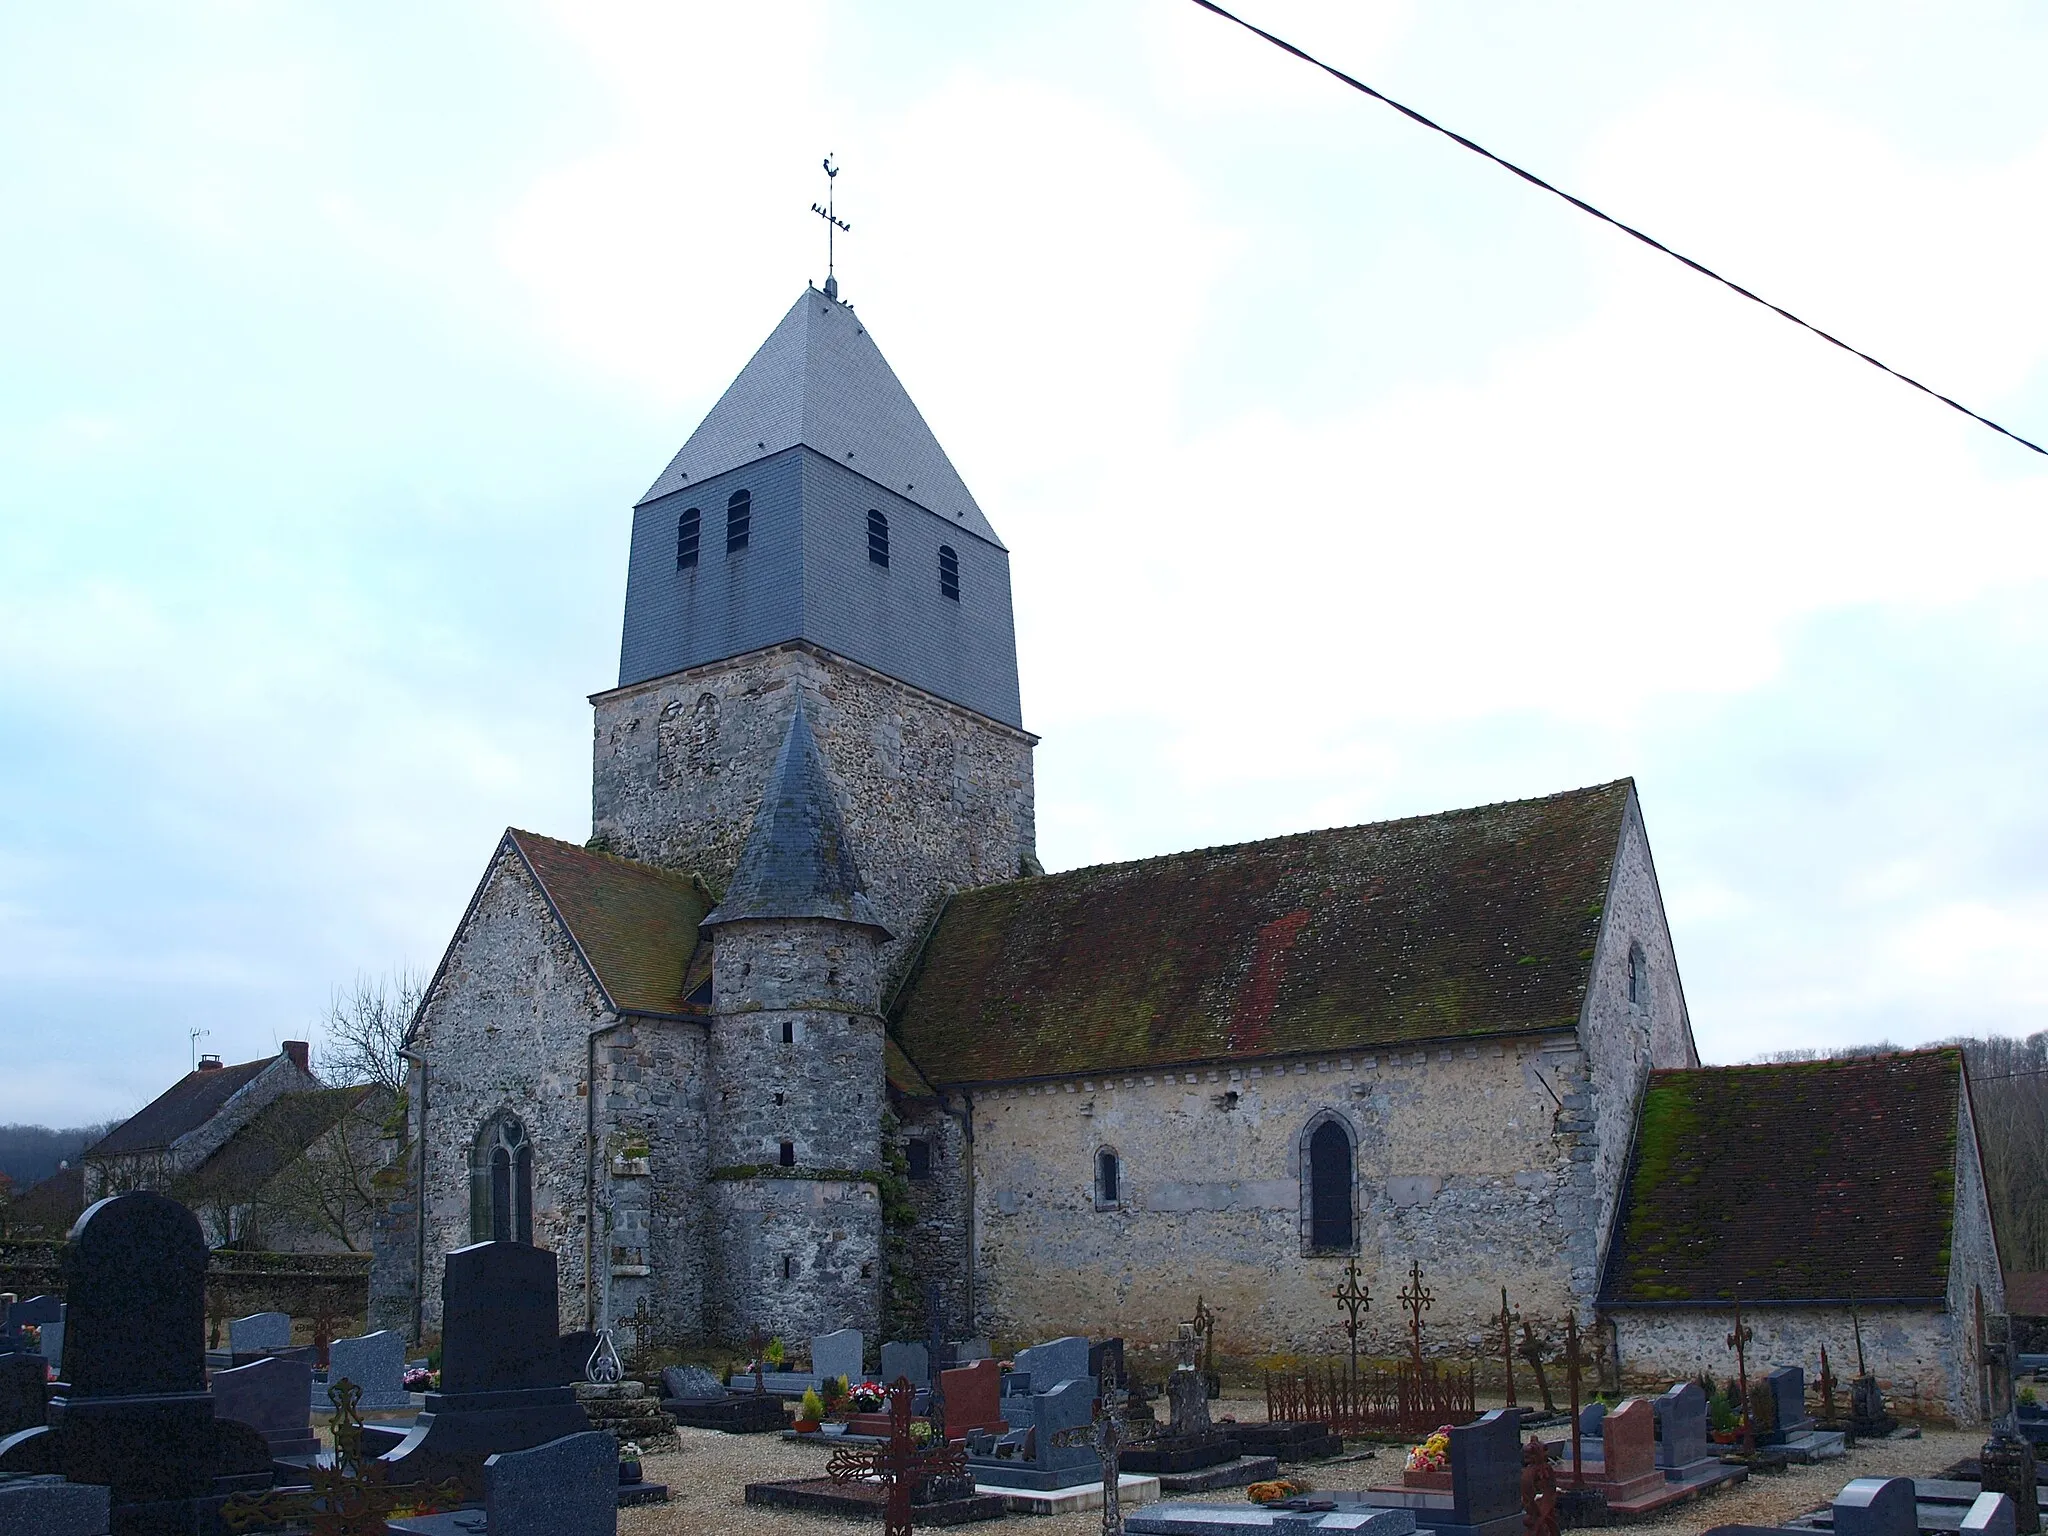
x=920, y=1154
x=1638, y=977
x=788, y=1267
x=949, y=573
x=789, y=1032
x=739, y=520
x=1329, y=1188
x=689, y=530
x=787, y=1155
x=1109, y=1177
x=878, y=538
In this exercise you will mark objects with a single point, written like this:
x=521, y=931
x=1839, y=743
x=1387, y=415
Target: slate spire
x=797, y=861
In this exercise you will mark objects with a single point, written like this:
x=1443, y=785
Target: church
x=802, y=1036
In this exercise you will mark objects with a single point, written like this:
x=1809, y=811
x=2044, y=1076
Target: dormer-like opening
x=739, y=520
x=786, y=1154
x=689, y=532
x=878, y=539
x=949, y=573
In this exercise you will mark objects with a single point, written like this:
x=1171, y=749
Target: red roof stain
x=1250, y=1020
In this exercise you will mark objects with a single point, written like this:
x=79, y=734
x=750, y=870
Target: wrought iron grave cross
x=1354, y=1299
x=1739, y=1340
x=900, y=1464
x=1417, y=1298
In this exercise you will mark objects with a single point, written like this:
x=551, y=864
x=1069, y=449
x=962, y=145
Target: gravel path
x=708, y=1477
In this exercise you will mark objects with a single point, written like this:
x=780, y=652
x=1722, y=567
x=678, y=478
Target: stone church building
x=810, y=916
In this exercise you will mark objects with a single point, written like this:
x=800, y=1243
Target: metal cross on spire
x=833, y=225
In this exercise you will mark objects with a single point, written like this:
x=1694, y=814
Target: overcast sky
x=1346, y=476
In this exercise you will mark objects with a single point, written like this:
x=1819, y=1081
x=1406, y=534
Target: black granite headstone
x=572, y=1356
x=22, y=1392
x=1106, y=1361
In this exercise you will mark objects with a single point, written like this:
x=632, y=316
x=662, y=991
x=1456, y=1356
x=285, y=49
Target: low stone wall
x=1909, y=1349
x=334, y=1287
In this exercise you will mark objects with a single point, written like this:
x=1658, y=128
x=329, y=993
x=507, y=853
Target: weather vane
x=833, y=224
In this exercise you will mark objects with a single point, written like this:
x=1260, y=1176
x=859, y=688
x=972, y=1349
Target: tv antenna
x=197, y=1035
x=833, y=225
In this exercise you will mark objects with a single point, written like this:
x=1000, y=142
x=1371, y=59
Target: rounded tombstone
x=135, y=1299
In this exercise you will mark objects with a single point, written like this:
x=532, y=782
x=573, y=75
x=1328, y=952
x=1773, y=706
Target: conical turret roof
x=820, y=380
x=797, y=861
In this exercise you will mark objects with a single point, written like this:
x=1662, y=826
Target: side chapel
x=810, y=917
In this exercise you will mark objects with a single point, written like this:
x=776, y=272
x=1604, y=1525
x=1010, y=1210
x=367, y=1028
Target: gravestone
x=376, y=1363
x=1106, y=1363
x=1877, y=1506
x=565, y=1487
x=1590, y=1418
x=1034, y=1458
x=1044, y=1366
x=49, y=1506
x=837, y=1354
x=1788, y=1402
x=1486, y=1473
x=272, y=1397
x=691, y=1383
x=1629, y=1452
x=260, y=1331
x=1187, y=1397
x=1682, y=1427
x=53, y=1345
x=1991, y=1514
x=973, y=1395
x=1867, y=1413
x=138, y=1419
x=967, y=1351
x=36, y=1312
x=912, y=1361
x=23, y=1392
x=500, y=1376
x=573, y=1352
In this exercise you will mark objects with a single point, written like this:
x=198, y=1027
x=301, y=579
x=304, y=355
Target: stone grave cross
x=901, y=1464
x=1507, y=1345
x=1532, y=1351
x=1354, y=1299
x=1205, y=1325
x=1575, y=1361
x=1106, y=1435
x=1739, y=1339
x=1417, y=1298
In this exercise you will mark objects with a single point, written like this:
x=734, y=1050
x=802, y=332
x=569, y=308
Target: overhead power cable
x=1628, y=229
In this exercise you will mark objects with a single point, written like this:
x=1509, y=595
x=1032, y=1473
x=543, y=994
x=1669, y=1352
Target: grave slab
x=376, y=1363
x=272, y=1397
x=1682, y=1444
x=973, y=1397
x=1176, y=1519
x=1238, y=1472
x=1131, y=1488
x=865, y=1501
x=912, y=1361
x=49, y=1506
x=565, y=1487
x=1877, y=1506
x=1991, y=1514
x=837, y=1354
x=260, y=1331
x=1628, y=1460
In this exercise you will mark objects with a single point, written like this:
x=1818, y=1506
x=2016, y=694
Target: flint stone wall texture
x=939, y=1245
x=1973, y=1268
x=507, y=1029
x=936, y=797
x=1211, y=1196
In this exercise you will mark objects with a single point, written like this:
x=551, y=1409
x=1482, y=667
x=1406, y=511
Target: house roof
x=1797, y=1181
x=820, y=380
x=635, y=924
x=1468, y=923
x=276, y=1134
x=797, y=861
x=52, y=1205
x=179, y=1110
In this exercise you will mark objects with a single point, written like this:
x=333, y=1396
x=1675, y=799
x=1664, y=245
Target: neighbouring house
x=302, y=1176
x=190, y=1121
x=1825, y=1195
x=48, y=1207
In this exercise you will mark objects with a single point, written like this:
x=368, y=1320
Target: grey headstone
x=567, y=1487
x=1877, y=1506
x=1591, y=1417
x=260, y=1331
x=1486, y=1468
x=376, y=1363
x=690, y=1383
x=1047, y=1365
x=1069, y=1405
x=49, y=1506
x=37, y=1310
x=967, y=1351
x=53, y=1346
x=1993, y=1514
x=1681, y=1425
x=910, y=1360
x=1788, y=1399
x=272, y=1397
x=837, y=1354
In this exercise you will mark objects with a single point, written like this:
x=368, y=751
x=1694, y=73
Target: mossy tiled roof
x=179, y=1110
x=1469, y=923
x=636, y=924
x=277, y=1133
x=1797, y=1181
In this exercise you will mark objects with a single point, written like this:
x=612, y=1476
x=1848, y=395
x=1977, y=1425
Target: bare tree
x=364, y=1028
x=2009, y=1090
x=332, y=1186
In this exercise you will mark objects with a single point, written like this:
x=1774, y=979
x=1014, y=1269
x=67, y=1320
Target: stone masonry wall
x=507, y=1028
x=1908, y=1348
x=1623, y=1040
x=1465, y=1162
x=936, y=798
x=939, y=1242
x=1974, y=1268
x=796, y=1057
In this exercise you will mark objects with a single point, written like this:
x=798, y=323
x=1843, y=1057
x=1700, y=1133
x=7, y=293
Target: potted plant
x=833, y=1396
x=629, y=1462
x=810, y=1413
x=775, y=1354
x=869, y=1397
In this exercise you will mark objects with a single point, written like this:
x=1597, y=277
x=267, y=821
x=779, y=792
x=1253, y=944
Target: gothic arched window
x=1328, y=1163
x=689, y=531
x=501, y=1183
x=739, y=520
x=1109, y=1178
x=949, y=573
x=878, y=538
